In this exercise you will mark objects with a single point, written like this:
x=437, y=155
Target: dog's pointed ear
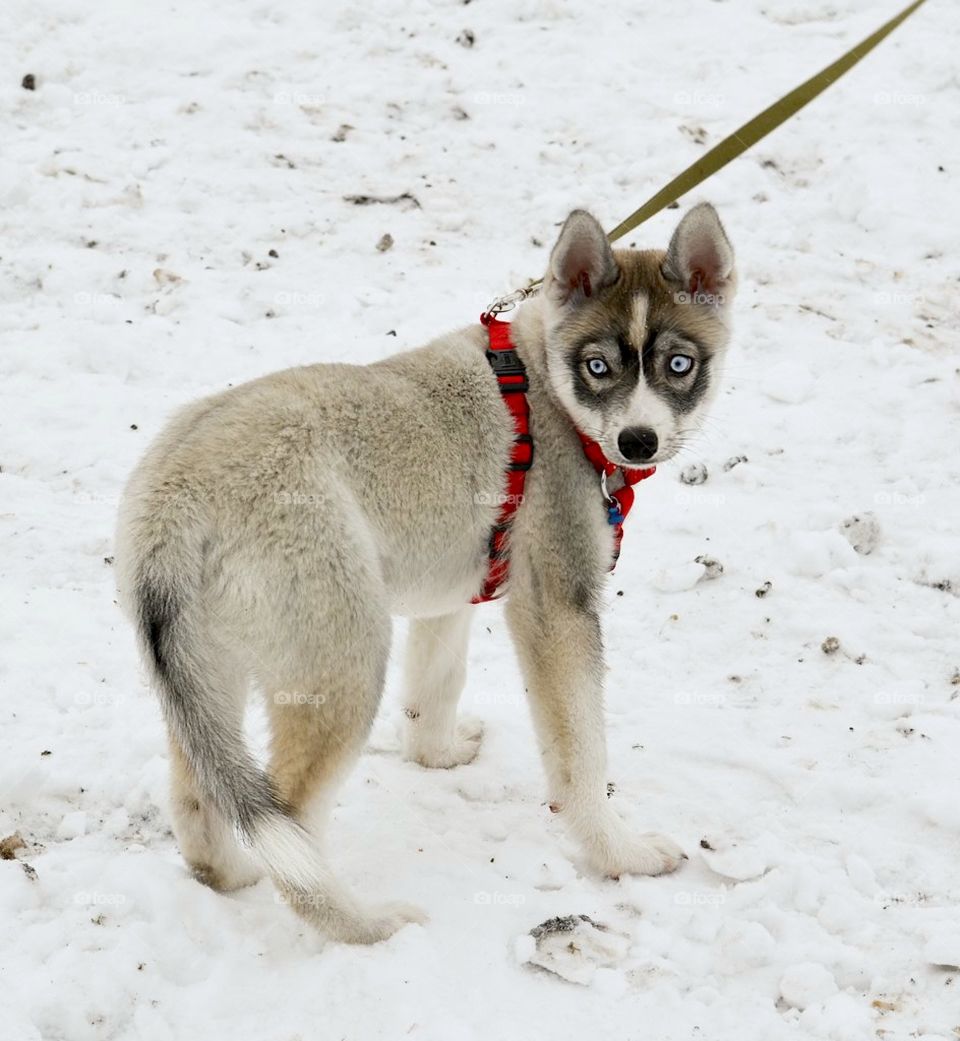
x=700, y=257
x=582, y=262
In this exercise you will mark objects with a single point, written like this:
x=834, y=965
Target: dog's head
x=635, y=339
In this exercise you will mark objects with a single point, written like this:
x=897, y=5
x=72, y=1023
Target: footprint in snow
x=740, y=859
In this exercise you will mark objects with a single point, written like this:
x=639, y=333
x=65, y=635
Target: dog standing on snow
x=271, y=532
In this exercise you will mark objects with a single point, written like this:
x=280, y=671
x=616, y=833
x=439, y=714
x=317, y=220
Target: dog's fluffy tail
x=163, y=561
x=186, y=660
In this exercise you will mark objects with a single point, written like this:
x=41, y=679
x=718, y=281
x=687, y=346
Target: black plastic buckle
x=524, y=465
x=506, y=363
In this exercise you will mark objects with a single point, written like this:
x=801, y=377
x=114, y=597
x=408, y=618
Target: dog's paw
x=380, y=923
x=648, y=854
x=460, y=750
x=231, y=874
x=230, y=881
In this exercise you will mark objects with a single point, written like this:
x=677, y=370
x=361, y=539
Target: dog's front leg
x=560, y=649
x=435, y=673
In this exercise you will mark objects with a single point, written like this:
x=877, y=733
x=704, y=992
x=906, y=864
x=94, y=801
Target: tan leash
x=733, y=145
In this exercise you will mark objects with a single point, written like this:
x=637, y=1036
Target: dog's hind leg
x=207, y=842
x=320, y=718
x=435, y=675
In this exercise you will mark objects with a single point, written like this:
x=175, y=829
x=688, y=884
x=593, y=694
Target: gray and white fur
x=272, y=531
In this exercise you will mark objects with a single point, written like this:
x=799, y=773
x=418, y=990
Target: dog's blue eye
x=681, y=364
x=597, y=367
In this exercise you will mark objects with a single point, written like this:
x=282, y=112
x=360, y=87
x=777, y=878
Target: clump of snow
x=740, y=859
x=693, y=474
x=806, y=984
x=863, y=532
x=812, y=554
x=712, y=567
x=573, y=947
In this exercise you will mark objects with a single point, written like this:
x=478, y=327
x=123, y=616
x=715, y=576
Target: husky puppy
x=272, y=531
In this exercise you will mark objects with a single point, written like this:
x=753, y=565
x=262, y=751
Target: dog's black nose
x=638, y=444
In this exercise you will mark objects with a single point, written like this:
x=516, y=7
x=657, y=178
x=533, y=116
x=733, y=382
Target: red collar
x=512, y=379
x=619, y=502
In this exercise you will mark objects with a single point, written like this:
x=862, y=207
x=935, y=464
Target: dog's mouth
x=643, y=464
x=663, y=455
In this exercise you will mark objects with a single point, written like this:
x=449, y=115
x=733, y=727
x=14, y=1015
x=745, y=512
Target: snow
x=807, y=984
x=165, y=151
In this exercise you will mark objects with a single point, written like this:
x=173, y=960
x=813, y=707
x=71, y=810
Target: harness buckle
x=505, y=363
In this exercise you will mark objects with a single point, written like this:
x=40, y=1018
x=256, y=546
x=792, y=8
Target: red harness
x=620, y=502
x=512, y=378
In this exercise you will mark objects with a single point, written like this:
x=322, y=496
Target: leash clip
x=614, y=509
x=508, y=302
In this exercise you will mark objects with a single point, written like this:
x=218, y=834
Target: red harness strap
x=512, y=378
x=620, y=501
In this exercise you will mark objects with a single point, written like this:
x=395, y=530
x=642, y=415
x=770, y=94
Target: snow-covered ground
x=179, y=210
